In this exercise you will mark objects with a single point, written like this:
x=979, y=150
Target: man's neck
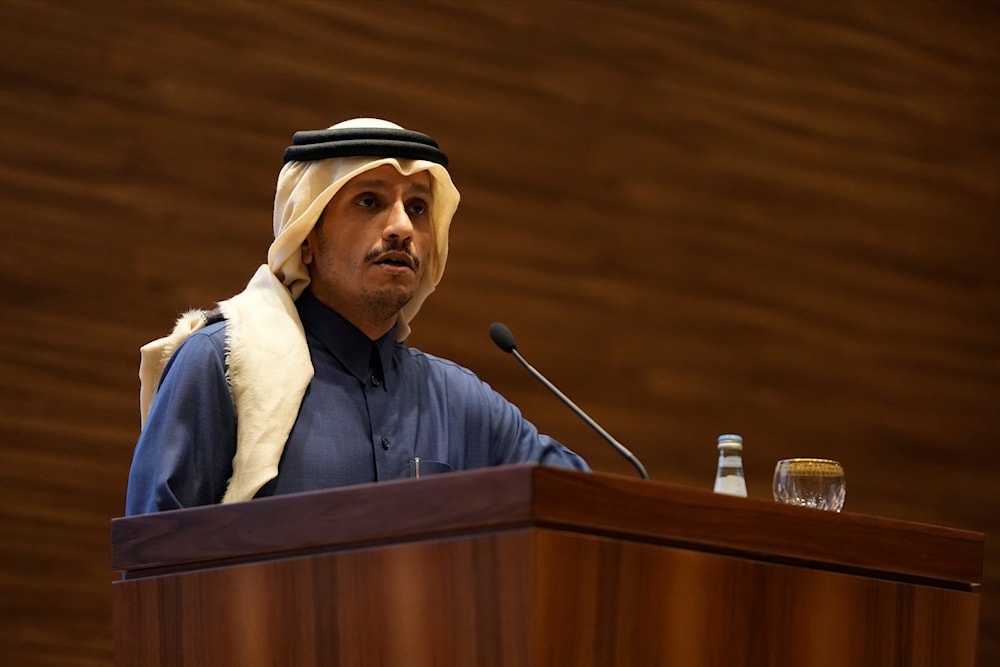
x=367, y=322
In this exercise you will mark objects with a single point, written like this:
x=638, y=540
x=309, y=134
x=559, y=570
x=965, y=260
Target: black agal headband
x=363, y=142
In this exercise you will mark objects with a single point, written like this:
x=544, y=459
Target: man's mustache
x=394, y=247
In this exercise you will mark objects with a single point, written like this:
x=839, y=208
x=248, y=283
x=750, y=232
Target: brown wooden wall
x=778, y=219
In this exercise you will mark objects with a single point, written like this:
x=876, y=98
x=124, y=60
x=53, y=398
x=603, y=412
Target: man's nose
x=398, y=225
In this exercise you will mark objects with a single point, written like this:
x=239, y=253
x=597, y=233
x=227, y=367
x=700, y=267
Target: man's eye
x=368, y=201
x=418, y=208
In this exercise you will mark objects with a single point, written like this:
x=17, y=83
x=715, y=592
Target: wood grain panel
x=536, y=597
x=698, y=217
x=391, y=606
x=718, y=610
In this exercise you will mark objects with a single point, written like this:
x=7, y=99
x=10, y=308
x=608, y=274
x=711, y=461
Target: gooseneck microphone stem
x=504, y=339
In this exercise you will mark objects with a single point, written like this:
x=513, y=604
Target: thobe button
x=376, y=381
x=385, y=443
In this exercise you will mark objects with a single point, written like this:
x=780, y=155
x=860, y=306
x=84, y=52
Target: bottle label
x=732, y=485
x=731, y=461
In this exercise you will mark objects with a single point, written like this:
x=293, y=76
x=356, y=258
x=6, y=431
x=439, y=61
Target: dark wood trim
x=524, y=496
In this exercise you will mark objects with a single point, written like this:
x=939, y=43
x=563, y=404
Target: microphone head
x=502, y=336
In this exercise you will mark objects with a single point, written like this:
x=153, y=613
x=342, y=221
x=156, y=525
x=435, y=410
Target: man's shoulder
x=214, y=330
x=203, y=349
x=433, y=362
x=209, y=338
x=438, y=374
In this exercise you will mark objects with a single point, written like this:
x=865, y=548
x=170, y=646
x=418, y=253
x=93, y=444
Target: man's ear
x=309, y=248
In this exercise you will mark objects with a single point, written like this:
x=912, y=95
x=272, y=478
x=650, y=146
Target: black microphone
x=504, y=339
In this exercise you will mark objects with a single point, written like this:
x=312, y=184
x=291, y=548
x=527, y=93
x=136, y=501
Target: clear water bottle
x=729, y=477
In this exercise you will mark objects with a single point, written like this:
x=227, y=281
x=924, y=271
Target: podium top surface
x=525, y=496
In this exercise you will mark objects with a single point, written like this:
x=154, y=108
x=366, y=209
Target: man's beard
x=386, y=303
x=389, y=300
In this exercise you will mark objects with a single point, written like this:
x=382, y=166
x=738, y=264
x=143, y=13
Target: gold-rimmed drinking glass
x=807, y=482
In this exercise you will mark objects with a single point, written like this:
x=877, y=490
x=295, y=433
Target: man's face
x=367, y=253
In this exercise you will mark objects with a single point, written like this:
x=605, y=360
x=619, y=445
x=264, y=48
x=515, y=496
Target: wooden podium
x=527, y=565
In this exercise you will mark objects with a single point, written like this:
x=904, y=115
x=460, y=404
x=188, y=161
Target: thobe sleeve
x=514, y=439
x=184, y=454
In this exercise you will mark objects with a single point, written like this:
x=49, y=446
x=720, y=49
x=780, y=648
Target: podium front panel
x=533, y=566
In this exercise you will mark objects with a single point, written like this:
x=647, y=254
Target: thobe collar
x=344, y=341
